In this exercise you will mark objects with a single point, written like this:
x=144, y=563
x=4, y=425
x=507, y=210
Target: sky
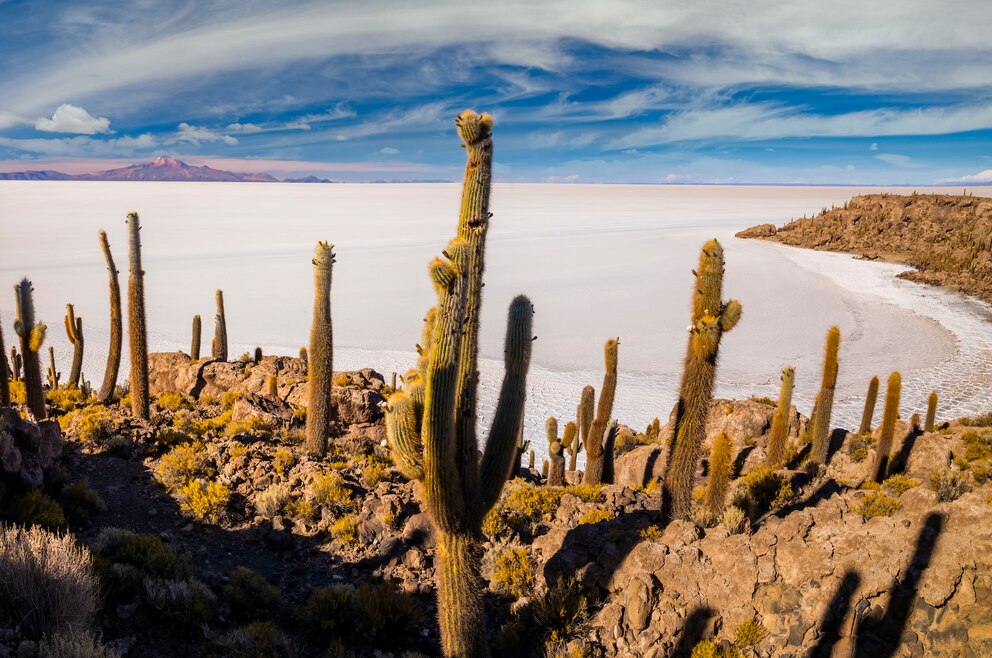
x=805, y=92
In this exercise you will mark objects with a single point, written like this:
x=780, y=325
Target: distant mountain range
x=161, y=169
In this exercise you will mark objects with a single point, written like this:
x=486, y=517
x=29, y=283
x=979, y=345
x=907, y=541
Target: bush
x=857, y=447
x=587, y=493
x=948, y=484
x=345, y=529
x=125, y=558
x=377, y=616
x=652, y=533
x=733, y=520
x=18, y=392
x=65, y=397
x=172, y=401
x=329, y=612
x=187, y=603
x=373, y=474
x=899, y=484
x=270, y=502
x=94, y=425
x=181, y=465
x=256, y=640
x=627, y=442
x=204, y=500
x=766, y=488
x=73, y=645
x=253, y=426
x=47, y=583
x=548, y=621
x=205, y=425
x=79, y=501
x=329, y=490
x=250, y=596
x=35, y=508
x=595, y=516
x=749, y=633
x=528, y=503
x=977, y=445
x=985, y=420
x=169, y=437
x=981, y=471
x=228, y=399
x=513, y=573
x=706, y=649
x=283, y=460
x=876, y=503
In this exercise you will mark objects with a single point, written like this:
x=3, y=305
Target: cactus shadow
x=826, y=490
x=741, y=459
x=881, y=637
x=900, y=460
x=837, y=610
x=696, y=627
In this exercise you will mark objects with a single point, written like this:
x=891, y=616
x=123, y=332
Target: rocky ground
x=947, y=239
x=805, y=562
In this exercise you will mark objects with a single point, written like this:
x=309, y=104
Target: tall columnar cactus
x=820, y=433
x=869, y=411
x=719, y=476
x=609, y=444
x=556, y=450
x=53, y=374
x=74, y=330
x=711, y=317
x=136, y=328
x=931, y=411
x=584, y=414
x=194, y=346
x=604, y=408
x=5, y=375
x=32, y=336
x=779, y=432
x=106, y=392
x=321, y=354
x=431, y=423
x=574, y=447
x=220, y=330
x=885, y=433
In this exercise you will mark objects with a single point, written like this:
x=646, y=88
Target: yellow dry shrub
x=876, y=503
x=373, y=474
x=181, y=465
x=283, y=460
x=899, y=484
x=651, y=533
x=345, y=529
x=749, y=633
x=172, y=401
x=513, y=573
x=300, y=509
x=216, y=424
x=228, y=399
x=65, y=397
x=94, y=424
x=252, y=425
x=18, y=392
x=328, y=489
x=587, y=493
x=203, y=500
x=596, y=516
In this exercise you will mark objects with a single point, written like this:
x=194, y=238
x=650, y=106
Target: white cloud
x=194, y=135
x=388, y=150
x=72, y=119
x=244, y=128
x=83, y=146
x=984, y=176
x=757, y=121
x=873, y=147
x=10, y=119
x=896, y=160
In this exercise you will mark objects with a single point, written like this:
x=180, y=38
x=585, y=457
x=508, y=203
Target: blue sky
x=822, y=92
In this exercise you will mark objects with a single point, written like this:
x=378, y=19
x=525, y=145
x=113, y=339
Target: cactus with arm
x=32, y=336
x=74, y=330
x=116, y=326
x=820, y=432
x=594, y=443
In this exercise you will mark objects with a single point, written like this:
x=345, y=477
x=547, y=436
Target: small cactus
x=137, y=331
x=574, y=448
x=820, y=432
x=595, y=441
x=719, y=476
x=780, y=421
x=32, y=336
x=109, y=384
x=711, y=317
x=530, y=461
x=305, y=358
x=322, y=350
x=74, y=331
x=931, y=411
x=53, y=375
x=556, y=474
x=889, y=417
x=194, y=347
x=869, y=411
x=258, y=356
x=219, y=343
x=544, y=470
x=271, y=386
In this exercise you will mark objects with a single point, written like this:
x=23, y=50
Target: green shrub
x=79, y=501
x=250, y=596
x=547, y=622
x=188, y=603
x=47, y=582
x=876, y=503
x=948, y=484
x=513, y=573
x=125, y=558
x=857, y=447
x=256, y=640
x=35, y=508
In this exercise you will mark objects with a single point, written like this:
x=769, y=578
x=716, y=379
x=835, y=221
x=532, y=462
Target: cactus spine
x=597, y=429
x=219, y=345
x=820, y=433
x=322, y=353
x=53, y=374
x=116, y=326
x=780, y=421
x=869, y=411
x=608, y=446
x=194, y=347
x=136, y=329
x=32, y=336
x=711, y=317
x=889, y=417
x=5, y=375
x=931, y=409
x=556, y=474
x=431, y=423
x=74, y=330
x=719, y=477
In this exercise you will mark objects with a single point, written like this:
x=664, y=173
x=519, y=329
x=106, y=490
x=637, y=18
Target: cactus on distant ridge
x=321, y=367
x=32, y=335
x=711, y=317
x=74, y=331
x=109, y=385
x=820, y=431
x=431, y=423
x=779, y=432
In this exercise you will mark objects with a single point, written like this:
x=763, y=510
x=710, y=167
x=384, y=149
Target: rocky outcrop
x=28, y=450
x=947, y=239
